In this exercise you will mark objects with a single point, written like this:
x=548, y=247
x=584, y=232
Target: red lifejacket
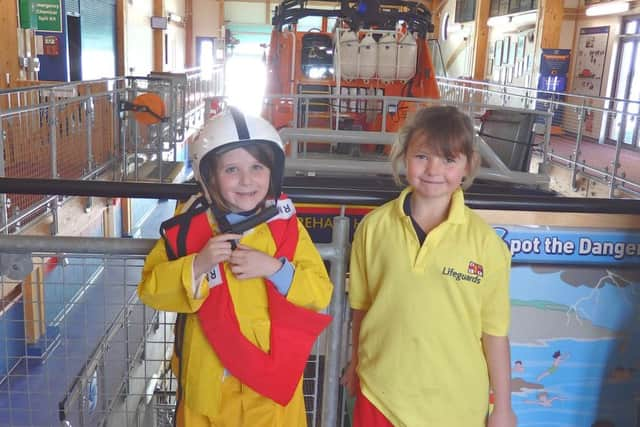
x=294, y=329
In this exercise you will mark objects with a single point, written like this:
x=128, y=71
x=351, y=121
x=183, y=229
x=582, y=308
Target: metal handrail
x=335, y=252
x=609, y=177
x=467, y=82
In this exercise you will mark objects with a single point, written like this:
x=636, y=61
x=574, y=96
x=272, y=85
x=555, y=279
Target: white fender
x=348, y=55
x=407, y=57
x=387, y=54
x=368, y=58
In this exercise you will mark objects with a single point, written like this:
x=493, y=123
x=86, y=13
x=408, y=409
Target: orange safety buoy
x=150, y=109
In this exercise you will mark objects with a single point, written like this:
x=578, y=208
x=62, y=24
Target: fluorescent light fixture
x=498, y=21
x=524, y=19
x=608, y=8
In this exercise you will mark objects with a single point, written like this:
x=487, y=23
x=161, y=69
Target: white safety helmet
x=230, y=130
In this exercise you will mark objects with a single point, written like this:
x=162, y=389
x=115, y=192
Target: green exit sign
x=42, y=15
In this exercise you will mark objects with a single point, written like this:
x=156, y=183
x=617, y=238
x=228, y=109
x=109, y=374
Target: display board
x=591, y=52
x=575, y=296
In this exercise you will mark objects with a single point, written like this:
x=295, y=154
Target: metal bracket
x=130, y=106
x=15, y=266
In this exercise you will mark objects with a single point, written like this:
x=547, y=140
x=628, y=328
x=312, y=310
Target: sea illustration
x=575, y=345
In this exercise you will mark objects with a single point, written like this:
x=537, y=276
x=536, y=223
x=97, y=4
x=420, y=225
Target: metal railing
x=392, y=111
x=107, y=354
x=84, y=129
x=610, y=125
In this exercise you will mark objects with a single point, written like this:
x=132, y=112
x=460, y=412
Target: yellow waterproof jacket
x=168, y=286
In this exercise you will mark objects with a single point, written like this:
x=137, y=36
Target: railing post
x=385, y=106
x=53, y=128
x=574, y=163
x=4, y=208
x=53, y=132
x=133, y=128
x=548, y=121
x=471, y=103
x=119, y=136
x=89, y=120
x=620, y=140
x=333, y=362
x=295, y=124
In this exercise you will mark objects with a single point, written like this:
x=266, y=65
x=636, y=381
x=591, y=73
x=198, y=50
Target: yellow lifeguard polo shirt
x=420, y=358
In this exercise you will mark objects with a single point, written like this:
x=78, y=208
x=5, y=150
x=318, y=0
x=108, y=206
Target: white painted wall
x=176, y=49
x=205, y=18
x=246, y=13
x=138, y=37
x=175, y=6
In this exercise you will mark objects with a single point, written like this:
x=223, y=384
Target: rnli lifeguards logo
x=474, y=273
x=475, y=268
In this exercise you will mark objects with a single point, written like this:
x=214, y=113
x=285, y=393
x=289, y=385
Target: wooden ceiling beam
x=551, y=14
x=481, y=36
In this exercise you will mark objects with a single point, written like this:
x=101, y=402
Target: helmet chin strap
x=247, y=224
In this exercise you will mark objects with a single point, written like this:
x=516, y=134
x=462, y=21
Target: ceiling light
x=524, y=19
x=498, y=21
x=608, y=8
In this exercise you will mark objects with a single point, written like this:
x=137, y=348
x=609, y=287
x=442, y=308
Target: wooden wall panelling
x=9, y=37
x=550, y=15
x=33, y=294
x=158, y=38
x=481, y=42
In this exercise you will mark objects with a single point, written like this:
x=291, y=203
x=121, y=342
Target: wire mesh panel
x=64, y=131
x=84, y=334
x=77, y=130
x=160, y=410
x=80, y=349
x=607, y=125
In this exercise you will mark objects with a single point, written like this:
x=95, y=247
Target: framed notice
x=506, y=50
x=498, y=52
x=42, y=15
x=512, y=51
x=159, y=22
x=590, y=59
x=492, y=53
x=520, y=44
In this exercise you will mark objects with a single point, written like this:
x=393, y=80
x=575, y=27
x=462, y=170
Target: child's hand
x=247, y=263
x=217, y=250
x=350, y=378
x=502, y=418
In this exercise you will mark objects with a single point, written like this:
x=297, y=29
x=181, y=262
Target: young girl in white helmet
x=246, y=280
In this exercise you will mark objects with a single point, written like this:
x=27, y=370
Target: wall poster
x=506, y=50
x=590, y=57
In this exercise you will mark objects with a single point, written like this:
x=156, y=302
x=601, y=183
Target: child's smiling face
x=242, y=180
x=432, y=174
